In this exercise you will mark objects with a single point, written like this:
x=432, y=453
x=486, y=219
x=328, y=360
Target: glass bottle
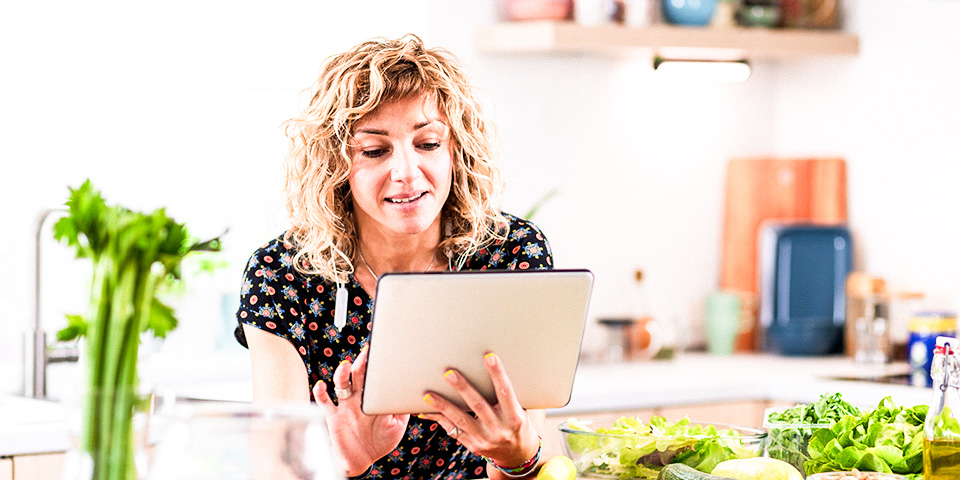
x=941, y=444
x=647, y=335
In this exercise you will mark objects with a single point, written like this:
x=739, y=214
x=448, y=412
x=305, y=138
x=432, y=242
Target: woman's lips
x=402, y=200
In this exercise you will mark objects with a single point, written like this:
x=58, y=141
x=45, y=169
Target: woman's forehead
x=419, y=108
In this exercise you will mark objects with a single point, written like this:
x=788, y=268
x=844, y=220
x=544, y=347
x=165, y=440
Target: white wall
x=893, y=113
x=178, y=104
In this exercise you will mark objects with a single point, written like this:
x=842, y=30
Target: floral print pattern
x=273, y=296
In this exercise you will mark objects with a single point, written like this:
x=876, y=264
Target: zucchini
x=679, y=471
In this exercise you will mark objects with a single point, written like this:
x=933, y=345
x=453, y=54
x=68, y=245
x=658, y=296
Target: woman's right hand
x=361, y=439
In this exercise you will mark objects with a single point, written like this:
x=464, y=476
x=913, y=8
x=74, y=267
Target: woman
x=391, y=170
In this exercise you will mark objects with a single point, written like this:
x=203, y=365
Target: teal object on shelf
x=689, y=12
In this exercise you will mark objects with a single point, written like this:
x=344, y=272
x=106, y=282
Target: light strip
x=709, y=70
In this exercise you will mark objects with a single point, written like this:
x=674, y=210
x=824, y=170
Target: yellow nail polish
x=490, y=358
x=428, y=398
x=448, y=374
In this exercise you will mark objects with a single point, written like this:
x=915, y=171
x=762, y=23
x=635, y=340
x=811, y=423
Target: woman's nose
x=404, y=165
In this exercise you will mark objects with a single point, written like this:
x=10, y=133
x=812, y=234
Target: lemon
x=757, y=468
x=558, y=468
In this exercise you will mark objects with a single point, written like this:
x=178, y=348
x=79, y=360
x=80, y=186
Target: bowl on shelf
x=629, y=448
x=689, y=12
x=759, y=14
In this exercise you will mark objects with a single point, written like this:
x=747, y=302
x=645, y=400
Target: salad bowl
x=630, y=448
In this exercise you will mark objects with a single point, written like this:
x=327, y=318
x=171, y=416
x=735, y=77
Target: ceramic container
x=689, y=12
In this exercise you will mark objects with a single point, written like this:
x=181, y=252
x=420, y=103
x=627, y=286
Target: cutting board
x=757, y=189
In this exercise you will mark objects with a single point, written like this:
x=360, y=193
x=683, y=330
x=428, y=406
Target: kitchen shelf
x=665, y=40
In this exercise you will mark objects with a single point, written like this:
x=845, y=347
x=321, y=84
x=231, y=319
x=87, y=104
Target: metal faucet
x=37, y=354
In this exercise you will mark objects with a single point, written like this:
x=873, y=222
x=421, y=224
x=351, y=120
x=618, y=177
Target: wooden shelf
x=665, y=40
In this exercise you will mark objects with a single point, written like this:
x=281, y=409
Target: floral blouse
x=277, y=299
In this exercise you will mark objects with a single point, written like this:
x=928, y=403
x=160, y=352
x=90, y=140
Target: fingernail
x=490, y=359
x=343, y=361
x=450, y=376
x=428, y=398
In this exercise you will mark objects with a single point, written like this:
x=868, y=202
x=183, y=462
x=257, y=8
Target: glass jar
x=204, y=440
x=109, y=432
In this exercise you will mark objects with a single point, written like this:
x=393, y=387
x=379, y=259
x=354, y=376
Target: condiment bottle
x=645, y=333
x=941, y=429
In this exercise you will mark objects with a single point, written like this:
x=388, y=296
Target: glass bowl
x=788, y=441
x=642, y=449
x=852, y=476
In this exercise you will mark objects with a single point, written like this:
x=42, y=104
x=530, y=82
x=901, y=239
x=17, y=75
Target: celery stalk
x=133, y=254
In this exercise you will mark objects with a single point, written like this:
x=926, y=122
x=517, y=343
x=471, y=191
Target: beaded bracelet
x=522, y=470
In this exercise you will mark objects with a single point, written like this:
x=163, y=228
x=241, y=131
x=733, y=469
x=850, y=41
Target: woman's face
x=402, y=158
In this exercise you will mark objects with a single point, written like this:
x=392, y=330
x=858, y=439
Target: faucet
x=37, y=353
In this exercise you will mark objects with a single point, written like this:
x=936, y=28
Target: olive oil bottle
x=941, y=459
x=941, y=428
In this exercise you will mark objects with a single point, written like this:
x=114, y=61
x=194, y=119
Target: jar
x=924, y=328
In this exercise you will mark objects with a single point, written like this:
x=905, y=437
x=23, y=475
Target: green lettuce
x=634, y=449
x=789, y=443
x=888, y=439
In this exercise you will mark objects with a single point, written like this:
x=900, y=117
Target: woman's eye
x=430, y=146
x=373, y=153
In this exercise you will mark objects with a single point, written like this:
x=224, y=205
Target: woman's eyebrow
x=418, y=126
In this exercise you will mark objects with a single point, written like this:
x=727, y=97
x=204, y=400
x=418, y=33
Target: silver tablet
x=426, y=323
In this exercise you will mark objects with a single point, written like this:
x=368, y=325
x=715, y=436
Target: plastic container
x=582, y=446
x=788, y=441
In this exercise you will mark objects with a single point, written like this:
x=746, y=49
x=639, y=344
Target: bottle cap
x=946, y=345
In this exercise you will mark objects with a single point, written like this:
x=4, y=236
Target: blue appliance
x=803, y=270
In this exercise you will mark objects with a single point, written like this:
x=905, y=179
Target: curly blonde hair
x=352, y=85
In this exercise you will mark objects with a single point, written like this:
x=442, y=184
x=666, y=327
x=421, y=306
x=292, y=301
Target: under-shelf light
x=711, y=70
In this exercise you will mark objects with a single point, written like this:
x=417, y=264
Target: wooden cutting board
x=759, y=189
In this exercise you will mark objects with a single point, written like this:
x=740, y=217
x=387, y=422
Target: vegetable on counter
x=133, y=254
x=757, y=468
x=631, y=448
x=790, y=429
x=886, y=439
x=679, y=471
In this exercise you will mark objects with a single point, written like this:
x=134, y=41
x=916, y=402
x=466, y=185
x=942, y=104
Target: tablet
x=426, y=323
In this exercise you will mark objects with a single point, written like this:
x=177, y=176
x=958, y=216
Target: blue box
x=803, y=271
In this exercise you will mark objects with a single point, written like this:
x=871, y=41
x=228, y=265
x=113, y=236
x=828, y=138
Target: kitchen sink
x=895, y=379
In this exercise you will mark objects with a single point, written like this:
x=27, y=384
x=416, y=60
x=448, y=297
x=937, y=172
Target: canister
x=924, y=328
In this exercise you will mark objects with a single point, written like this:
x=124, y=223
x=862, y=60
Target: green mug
x=722, y=319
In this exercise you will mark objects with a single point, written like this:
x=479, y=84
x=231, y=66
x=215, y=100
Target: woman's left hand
x=503, y=432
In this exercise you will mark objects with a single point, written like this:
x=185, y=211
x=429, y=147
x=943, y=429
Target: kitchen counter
x=696, y=378
x=31, y=426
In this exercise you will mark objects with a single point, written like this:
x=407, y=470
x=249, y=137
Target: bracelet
x=362, y=475
x=522, y=470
